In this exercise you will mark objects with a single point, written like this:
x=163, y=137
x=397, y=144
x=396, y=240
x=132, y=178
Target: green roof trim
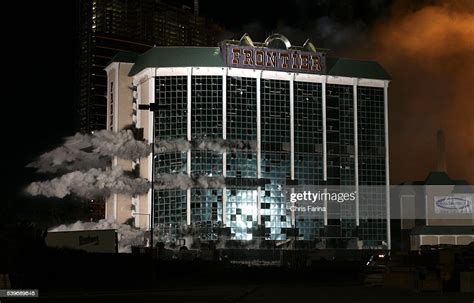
x=443, y=230
x=178, y=57
x=124, y=57
x=442, y=178
x=211, y=57
x=356, y=69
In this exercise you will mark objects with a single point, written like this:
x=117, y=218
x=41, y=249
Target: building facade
x=109, y=26
x=280, y=115
x=434, y=211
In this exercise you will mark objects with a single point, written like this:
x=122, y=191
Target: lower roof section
x=443, y=230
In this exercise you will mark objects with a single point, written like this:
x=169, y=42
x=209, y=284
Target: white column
x=224, y=136
x=292, y=139
x=188, y=160
x=259, y=144
x=356, y=150
x=427, y=222
x=114, y=164
x=151, y=129
x=292, y=127
x=325, y=148
x=387, y=164
x=116, y=98
x=137, y=209
x=139, y=161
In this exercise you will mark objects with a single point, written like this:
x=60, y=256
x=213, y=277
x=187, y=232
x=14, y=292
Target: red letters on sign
x=275, y=59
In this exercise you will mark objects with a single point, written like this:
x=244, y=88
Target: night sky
x=427, y=47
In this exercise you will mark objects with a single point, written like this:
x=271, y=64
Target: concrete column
x=188, y=160
x=356, y=150
x=387, y=164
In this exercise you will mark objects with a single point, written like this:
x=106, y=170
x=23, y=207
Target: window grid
x=371, y=141
x=206, y=107
x=241, y=212
x=206, y=211
x=241, y=108
x=170, y=212
x=206, y=163
x=171, y=96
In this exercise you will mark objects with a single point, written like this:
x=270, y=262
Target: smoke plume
x=167, y=181
x=428, y=47
x=85, y=151
x=89, y=184
x=183, y=181
x=209, y=182
x=215, y=145
x=221, y=146
x=120, y=144
x=63, y=159
x=174, y=145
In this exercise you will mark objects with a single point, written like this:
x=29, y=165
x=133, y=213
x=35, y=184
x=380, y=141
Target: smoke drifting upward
x=429, y=51
x=428, y=48
x=89, y=184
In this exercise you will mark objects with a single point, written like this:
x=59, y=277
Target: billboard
x=456, y=204
x=290, y=60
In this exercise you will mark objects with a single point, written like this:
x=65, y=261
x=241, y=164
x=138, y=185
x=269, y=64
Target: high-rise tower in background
x=106, y=27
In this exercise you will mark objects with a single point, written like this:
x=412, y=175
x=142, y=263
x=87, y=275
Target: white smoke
x=87, y=155
x=209, y=182
x=221, y=146
x=120, y=144
x=175, y=145
x=167, y=181
x=84, y=151
x=215, y=145
x=89, y=184
x=127, y=235
x=67, y=159
x=183, y=181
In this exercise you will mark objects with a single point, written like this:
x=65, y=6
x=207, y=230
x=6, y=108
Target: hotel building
x=305, y=119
